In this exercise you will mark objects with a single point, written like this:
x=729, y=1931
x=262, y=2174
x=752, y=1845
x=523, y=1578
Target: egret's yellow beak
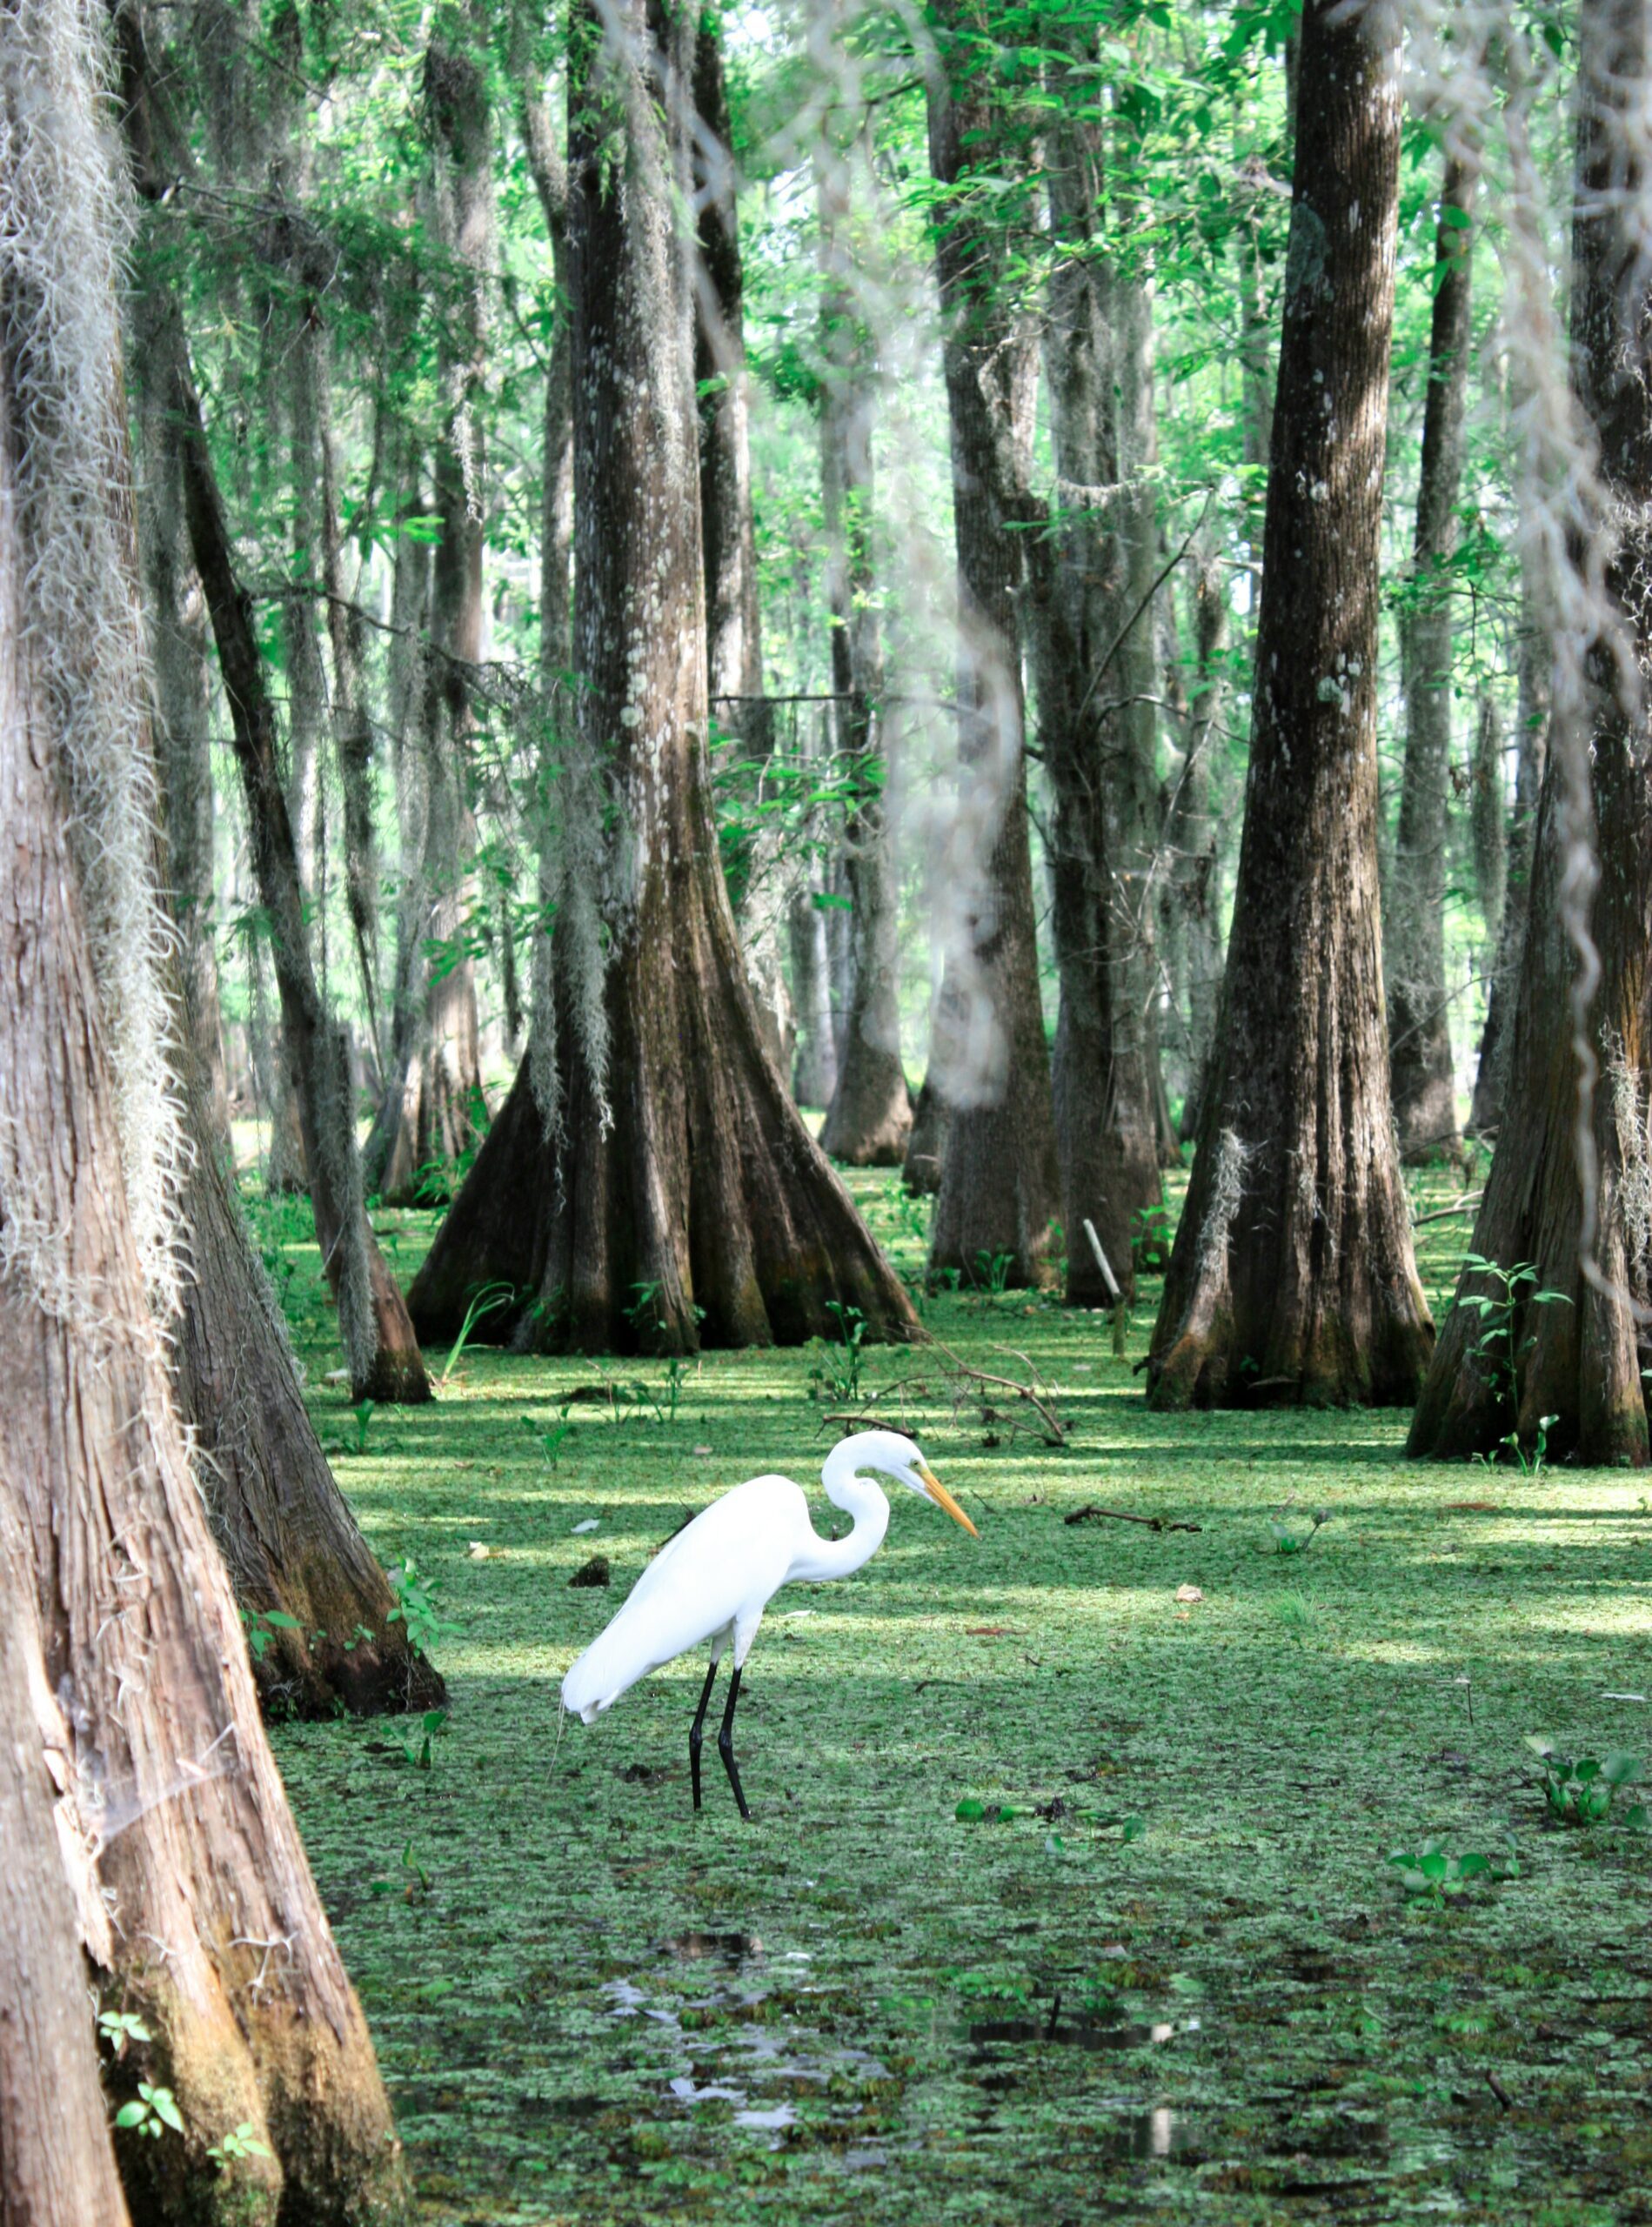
x=942, y=1498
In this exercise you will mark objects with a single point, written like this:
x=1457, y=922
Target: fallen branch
x=1055, y=1428
x=1119, y=1515
x=1036, y=1394
x=1445, y=1214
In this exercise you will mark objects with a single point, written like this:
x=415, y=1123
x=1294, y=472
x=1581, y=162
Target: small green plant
x=416, y=1608
x=281, y=1272
x=1289, y=1539
x=676, y=1374
x=1297, y=1615
x=488, y=1300
x=242, y=2143
x=261, y=1628
x=1581, y=1789
x=151, y=2111
x=1491, y=1343
x=992, y=1271
x=1531, y=1465
x=1151, y=1236
x=432, y=1724
x=1430, y=1873
x=413, y=1882
x=550, y=1441
x=836, y=1377
x=908, y=1210
x=119, y=2028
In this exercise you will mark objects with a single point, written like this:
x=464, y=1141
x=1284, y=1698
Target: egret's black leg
x=725, y=1746
x=695, y=1730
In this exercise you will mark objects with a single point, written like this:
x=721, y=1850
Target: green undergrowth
x=1180, y=1979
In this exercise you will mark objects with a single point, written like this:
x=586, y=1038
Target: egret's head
x=901, y=1459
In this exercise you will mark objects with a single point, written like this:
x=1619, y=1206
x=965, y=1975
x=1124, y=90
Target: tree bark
x=733, y=619
x=1001, y=1181
x=814, y=1073
x=438, y=1091
x=197, y=1909
x=1531, y=754
x=1087, y=624
x=1292, y=1266
x=870, y=1113
x=182, y=728
x=1191, y=909
x=1571, y=1196
x=555, y=512
x=395, y=1122
x=285, y=1530
x=56, y=2158
x=352, y=718
x=374, y=1327
x=669, y=1195
x=1422, y=1076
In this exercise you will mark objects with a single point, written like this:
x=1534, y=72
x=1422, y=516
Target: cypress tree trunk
x=733, y=629
x=196, y=1908
x=1531, y=754
x=1422, y=1076
x=285, y=1530
x=377, y=1337
x=668, y=1195
x=556, y=502
x=1192, y=899
x=396, y=1120
x=1001, y=1181
x=870, y=1113
x=1086, y=625
x=1292, y=1272
x=815, y=1072
x=352, y=718
x=57, y=2161
x=182, y=729
x=437, y=1092
x=374, y=1328
x=1575, y=1362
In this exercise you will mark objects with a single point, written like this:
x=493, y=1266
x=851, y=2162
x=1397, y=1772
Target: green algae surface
x=1179, y=1980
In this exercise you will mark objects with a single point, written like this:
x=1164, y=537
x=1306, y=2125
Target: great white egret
x=713, y=1580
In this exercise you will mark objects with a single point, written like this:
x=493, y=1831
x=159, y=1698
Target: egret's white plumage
x=710, y=1585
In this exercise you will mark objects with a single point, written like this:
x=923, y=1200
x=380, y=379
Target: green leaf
x=1458, y=220
x=281, y=1620
x=1538, y=1745
x=1635, y=1817
x=131, y=2115
x=1470, y=1867
x=969, y=1811
x=1619, y=1769
x=1135, y=1828
x=167, y=2110
x=1433, y=1865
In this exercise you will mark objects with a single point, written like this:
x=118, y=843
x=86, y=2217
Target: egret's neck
x=857, y=1496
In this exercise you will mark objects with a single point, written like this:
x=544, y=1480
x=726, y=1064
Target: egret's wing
x=719, y=1568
